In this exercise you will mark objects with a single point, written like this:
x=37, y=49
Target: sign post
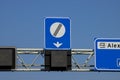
x=57, y=44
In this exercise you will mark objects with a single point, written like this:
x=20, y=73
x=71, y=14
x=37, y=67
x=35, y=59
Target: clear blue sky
x=22, y=25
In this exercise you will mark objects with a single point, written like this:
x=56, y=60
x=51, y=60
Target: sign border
x=95, y=54
x=45, y=29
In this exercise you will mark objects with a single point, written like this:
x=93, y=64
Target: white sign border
x=70, y=34
x=95, y=54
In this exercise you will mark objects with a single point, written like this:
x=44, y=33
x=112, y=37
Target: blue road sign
x=107, y=54
x=57, y=33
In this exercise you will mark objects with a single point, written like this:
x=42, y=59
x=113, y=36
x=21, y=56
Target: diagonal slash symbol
x=57, y=30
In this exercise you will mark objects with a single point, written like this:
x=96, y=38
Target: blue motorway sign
x=107, y=54
x=57, y=33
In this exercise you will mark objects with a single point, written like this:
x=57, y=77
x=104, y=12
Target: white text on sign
x=108, y=45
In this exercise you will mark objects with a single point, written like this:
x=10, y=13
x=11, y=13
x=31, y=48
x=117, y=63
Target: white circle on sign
x=57, y=30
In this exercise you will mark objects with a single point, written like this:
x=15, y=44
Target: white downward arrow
x=57, y=44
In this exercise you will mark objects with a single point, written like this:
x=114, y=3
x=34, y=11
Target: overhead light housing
x=7, y=58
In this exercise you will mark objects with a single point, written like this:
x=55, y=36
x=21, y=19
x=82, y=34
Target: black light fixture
x=7, y=58
x=57, y=60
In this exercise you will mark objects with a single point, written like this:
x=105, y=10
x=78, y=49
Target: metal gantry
x=32, y=59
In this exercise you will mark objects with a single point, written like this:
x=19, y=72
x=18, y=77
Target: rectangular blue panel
x=107, y=54
x=57, y=33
